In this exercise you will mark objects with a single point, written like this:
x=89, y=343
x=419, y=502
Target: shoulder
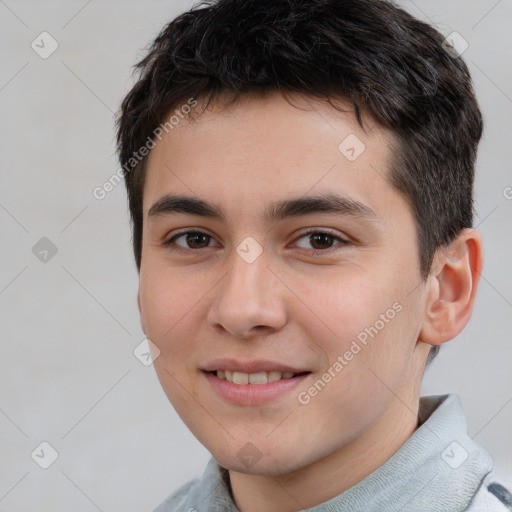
x=180, y=500
x=493, y=495
x=209, y=493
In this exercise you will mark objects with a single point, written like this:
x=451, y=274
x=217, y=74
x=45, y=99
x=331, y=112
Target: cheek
x=366, y=330
x=170, y=303
x=345, y=305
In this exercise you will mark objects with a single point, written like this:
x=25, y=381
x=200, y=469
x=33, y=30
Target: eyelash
x=170, y=243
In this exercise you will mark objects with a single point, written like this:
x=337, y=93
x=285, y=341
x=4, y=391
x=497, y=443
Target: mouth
x=252, y=383
x=256, y=378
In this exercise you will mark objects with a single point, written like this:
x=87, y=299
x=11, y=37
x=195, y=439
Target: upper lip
x=254, y=366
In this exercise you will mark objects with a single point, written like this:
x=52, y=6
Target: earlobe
x=142, y=323
x=452, y=288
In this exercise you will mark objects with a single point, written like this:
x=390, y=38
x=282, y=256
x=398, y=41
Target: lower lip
x=252, y=394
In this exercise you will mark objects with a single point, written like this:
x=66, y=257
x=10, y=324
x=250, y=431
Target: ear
x=452, y=287
x=141, y=316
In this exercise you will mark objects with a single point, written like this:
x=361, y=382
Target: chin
x=251, y=460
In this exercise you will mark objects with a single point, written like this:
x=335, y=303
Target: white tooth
x=253, y=378
x=274, y=376
x=258, y=378
x=240, y=378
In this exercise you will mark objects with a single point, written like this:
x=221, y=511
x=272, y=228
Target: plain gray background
x=69, y=325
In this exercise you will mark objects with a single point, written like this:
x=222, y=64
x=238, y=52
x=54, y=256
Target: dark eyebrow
x=170, y=204
x=324, y=203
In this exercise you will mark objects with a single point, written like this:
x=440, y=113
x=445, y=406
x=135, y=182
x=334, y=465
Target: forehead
x=263, y=149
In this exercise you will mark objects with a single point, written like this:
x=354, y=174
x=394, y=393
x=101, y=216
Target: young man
x=300, y=181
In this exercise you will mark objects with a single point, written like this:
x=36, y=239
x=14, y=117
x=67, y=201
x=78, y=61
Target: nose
x=249, y=301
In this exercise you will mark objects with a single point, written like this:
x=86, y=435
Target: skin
x=291, y=305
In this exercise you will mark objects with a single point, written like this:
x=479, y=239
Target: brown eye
x=190, y=240
x=197, y=240
x=321, y=240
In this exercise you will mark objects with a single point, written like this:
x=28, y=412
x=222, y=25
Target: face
x=277, y=256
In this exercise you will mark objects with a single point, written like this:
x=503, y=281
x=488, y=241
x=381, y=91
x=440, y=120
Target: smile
x=255, y=388
x=257, y=378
